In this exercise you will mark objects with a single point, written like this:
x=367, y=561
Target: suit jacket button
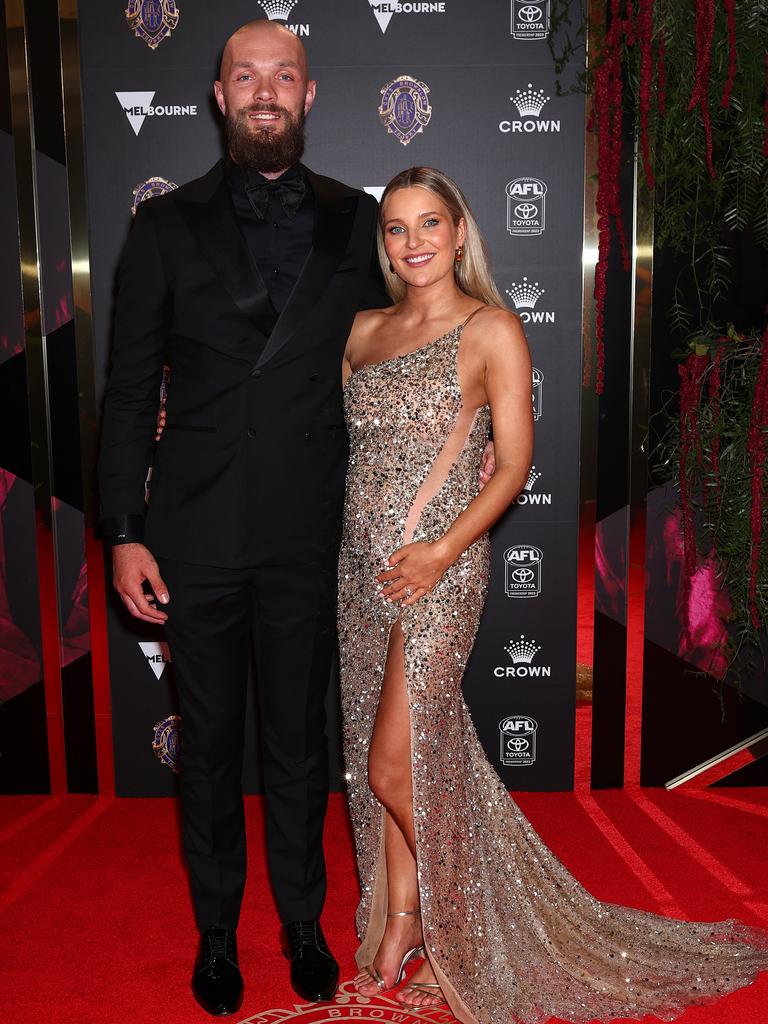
x=307, y=436
x=251, y=432
x=255, y=372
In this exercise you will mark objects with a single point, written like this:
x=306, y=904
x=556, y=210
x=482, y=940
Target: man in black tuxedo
x=245, y=282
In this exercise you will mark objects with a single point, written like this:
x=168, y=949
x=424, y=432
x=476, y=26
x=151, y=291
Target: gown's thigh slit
x=379, y=906
x=440, y=469
x=379, y=900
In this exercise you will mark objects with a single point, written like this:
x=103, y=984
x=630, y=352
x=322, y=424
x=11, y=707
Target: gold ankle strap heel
x=418, y=951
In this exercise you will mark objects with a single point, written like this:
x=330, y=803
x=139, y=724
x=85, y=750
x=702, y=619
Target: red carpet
x=96, y=926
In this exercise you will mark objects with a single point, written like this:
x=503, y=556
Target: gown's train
x=511, y=934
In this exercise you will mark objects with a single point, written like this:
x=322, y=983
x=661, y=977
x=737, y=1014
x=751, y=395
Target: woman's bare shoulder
x=493, y=327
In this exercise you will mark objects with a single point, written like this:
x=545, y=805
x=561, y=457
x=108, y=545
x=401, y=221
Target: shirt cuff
x=123, y=529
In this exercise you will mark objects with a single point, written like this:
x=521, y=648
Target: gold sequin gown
x=511, y=934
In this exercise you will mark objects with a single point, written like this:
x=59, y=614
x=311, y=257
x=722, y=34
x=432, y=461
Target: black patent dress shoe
x=216, y=981
x=314, y=972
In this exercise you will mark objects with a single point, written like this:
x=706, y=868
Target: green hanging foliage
x=698, y=199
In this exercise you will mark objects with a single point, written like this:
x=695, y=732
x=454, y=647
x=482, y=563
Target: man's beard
x=265, y=149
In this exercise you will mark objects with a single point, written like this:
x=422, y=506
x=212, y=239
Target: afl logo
x=522, y=571
x=525, y=206
x=404, y=109
x=518, y=740
x=149, y=189
x=530, y=21
x=166, y=741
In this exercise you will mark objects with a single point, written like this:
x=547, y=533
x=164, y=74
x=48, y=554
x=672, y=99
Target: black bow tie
x=290, y=193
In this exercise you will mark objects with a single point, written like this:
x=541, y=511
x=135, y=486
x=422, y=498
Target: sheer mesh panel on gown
x=511, y=934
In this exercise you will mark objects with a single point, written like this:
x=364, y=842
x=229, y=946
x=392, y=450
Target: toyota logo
x=522, y=575
x=530, y=13
x=525, y=211
x=517, y=744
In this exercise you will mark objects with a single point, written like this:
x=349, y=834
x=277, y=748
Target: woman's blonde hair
x=473, y=272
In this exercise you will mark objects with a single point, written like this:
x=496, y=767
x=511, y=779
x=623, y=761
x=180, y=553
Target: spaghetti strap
x=474, y=311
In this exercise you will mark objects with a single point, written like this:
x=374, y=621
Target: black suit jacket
x=250, y=468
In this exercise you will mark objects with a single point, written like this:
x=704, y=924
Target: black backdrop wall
x=490, y=117
x=466, y=85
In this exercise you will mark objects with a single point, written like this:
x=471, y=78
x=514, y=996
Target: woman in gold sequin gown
x=501, y=930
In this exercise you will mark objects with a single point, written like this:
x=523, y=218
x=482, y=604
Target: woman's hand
x=162, y=416
x=416, y=569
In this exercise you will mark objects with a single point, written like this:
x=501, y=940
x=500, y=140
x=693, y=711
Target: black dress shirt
x=280, y=244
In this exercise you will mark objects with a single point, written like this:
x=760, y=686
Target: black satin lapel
x=334, y=217
x=215, y=228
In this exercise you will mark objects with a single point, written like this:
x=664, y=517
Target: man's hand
x=488, y=465
x=132, y=564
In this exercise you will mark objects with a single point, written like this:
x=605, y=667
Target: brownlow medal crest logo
x=405, y=109
x=152, y=20
x=350, y=1006
x=155, y=186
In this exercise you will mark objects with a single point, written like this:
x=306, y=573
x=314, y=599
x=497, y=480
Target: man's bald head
x=264, y=92
x=262, y=34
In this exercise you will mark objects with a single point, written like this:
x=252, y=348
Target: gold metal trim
x=81, y=260
x=737, y=748
x=588, y=423
x=639, y=400
x=23, y=132
x=74, y=141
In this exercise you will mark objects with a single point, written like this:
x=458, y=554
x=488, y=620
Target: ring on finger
x=409, y=591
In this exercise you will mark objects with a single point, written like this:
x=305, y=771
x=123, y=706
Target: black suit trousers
x=286, y=615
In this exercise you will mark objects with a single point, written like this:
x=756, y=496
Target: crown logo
x=530, y=101
x=533, y=476
x=522, y=651
x=275, y=9
x=525, y=296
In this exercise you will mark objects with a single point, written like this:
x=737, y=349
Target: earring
x=459, y=254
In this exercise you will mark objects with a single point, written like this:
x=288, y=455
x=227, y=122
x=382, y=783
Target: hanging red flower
x=730, y=17
x=705, y=27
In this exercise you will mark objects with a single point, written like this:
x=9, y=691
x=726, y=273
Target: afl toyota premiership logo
x=350, y=1005
x=530, y=21
x=518, y=740
x=525, y=206
x=522, y=568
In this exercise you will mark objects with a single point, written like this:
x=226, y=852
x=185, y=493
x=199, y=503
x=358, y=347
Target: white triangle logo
x=135, y=106
x=157, y=655
x=383, y=17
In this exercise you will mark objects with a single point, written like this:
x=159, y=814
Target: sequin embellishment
x=511, y=933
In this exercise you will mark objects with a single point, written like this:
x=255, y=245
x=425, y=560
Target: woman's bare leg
x=389, y=775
